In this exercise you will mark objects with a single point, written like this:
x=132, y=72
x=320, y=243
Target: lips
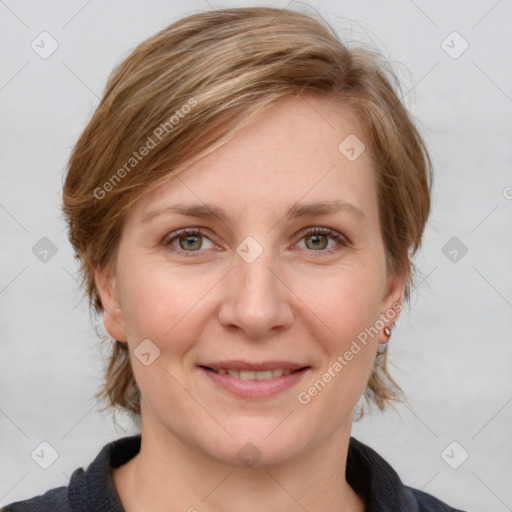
x=254, y=380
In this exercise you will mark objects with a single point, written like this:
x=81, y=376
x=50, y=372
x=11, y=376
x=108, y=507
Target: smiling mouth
x=255, y=375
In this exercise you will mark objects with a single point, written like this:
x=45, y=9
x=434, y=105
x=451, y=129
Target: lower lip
x=255, y=388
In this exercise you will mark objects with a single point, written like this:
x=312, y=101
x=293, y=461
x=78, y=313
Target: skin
x=304, y=299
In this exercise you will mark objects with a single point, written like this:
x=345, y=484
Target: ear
x=392, y=303
x=113, y=320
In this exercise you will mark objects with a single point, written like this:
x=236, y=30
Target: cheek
x=159, y=300
x=160, y=304
x=350, y=312
x=345, y=301
x=346, y=308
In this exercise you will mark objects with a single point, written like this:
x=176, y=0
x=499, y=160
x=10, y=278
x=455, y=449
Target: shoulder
x=52, y=500
x=87, y=491
x=425, y=502
x=375, y=480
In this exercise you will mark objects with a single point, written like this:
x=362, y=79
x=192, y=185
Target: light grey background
x=451, y=353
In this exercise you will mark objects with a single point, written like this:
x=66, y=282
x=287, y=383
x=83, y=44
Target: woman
x=244, y=204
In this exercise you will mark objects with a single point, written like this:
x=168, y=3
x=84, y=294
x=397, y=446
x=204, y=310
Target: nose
x=256, y=298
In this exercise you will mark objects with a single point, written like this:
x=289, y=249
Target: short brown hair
x=201, y=80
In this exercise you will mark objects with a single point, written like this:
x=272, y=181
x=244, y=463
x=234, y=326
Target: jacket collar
x=376, y=481
x=367, y=473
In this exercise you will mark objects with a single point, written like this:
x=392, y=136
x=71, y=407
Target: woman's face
x=261, y=280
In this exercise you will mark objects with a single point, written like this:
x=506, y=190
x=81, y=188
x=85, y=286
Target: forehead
x=299, y=150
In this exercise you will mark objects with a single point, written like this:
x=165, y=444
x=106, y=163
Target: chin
x=259, y=442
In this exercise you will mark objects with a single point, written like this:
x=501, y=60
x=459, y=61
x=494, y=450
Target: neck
x=168, y=475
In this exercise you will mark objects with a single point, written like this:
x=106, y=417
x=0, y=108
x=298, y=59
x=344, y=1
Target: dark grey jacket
x=93, y=491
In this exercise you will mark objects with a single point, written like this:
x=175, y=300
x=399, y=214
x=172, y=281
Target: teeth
x=252, y=375
x=247, y=375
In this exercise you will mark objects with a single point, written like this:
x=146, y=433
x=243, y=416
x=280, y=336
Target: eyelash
x=168, y=239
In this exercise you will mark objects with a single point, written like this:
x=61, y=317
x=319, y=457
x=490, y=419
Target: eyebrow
x=205, y=211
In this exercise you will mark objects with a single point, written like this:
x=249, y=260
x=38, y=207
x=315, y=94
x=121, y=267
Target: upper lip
x=248, y=366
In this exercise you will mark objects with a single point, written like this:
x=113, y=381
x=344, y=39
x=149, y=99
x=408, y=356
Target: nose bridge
x=254, y=274
x=257, y=301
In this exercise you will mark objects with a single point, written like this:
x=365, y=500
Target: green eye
x=317, y=240
x=190, y=241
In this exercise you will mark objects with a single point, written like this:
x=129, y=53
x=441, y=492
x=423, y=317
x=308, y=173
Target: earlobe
x=112, y=312
x=392, y=305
